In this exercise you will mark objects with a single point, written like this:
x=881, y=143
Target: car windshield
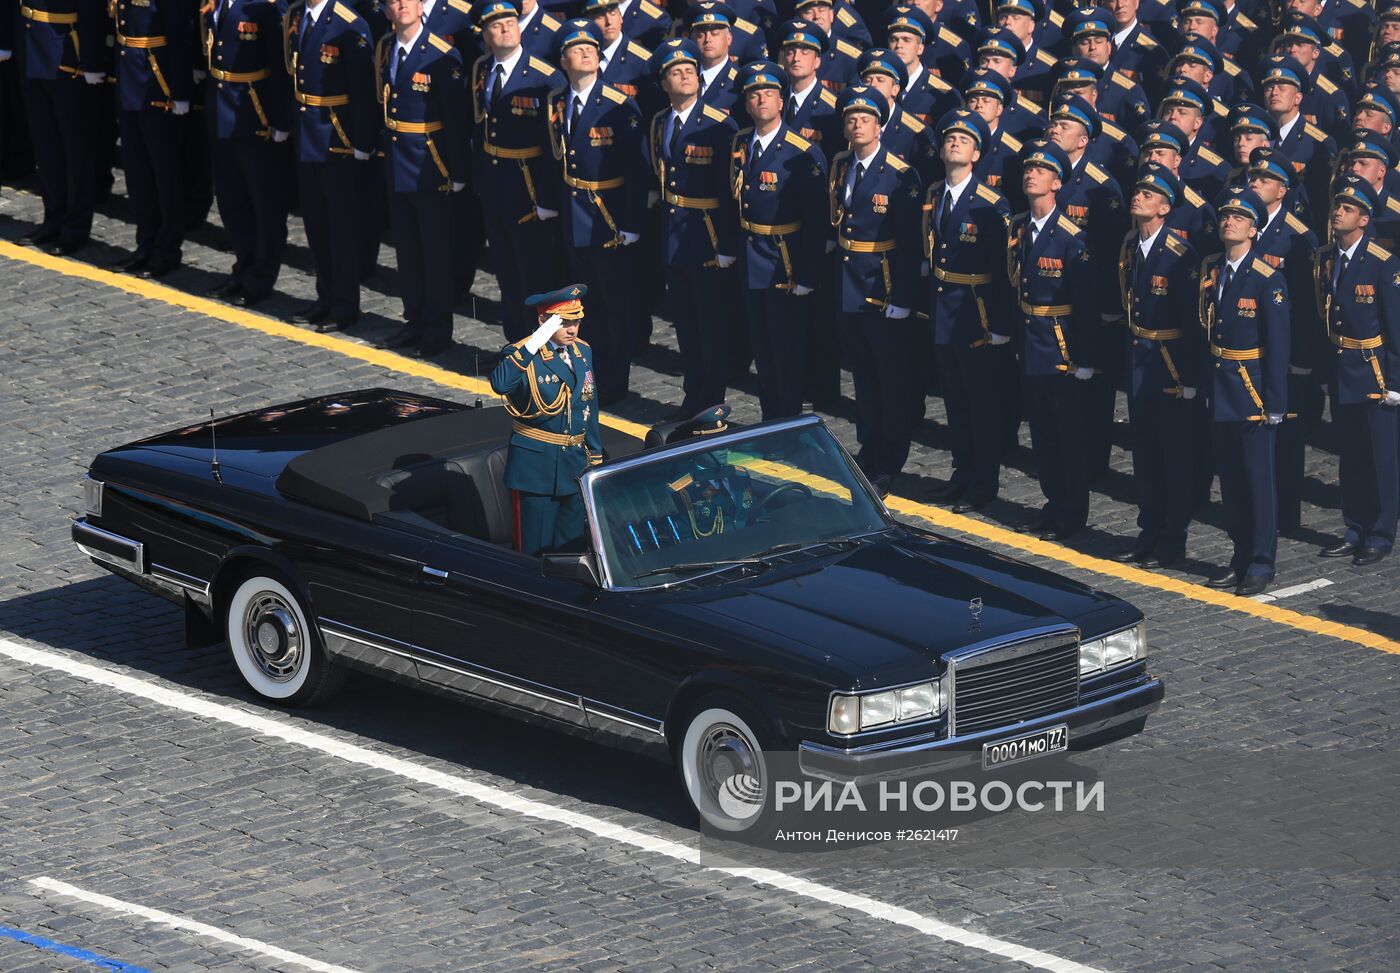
x=679, y=515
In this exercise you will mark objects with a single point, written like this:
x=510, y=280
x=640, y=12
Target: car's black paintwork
x=625, y=665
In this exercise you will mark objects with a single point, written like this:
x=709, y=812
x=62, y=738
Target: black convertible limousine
x=371, y=529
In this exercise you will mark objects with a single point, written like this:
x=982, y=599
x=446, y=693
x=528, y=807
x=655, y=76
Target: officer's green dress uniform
x=553, y=398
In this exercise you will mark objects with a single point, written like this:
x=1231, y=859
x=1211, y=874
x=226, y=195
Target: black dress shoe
x=1226, y=579
x=1059, y=533
x=948, y=492
x=1367, y=556
x=1252, y=585
x=402, y=338
x=1039, y=523
x=968, y=504
x=430, y=349
x=65, y=248
x=1133, y=555
x=1161, y=559
x=225, y=288
x=1344, y=549
x=245, y=299
x=157, y=269
x=311, y=314
x=130, y=263
x=344, y=323
x=39, y=236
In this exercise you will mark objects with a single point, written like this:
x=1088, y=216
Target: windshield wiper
x=788, y=546
x=694, y=566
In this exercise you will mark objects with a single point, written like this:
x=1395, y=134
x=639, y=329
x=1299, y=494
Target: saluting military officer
x=689, y=150
x=964, y=232
x=874, y=198
x=1157, y=273
x=331, y=62
x=550, y=393
x=514, y=179
x=779, y=179
x=1358, y=295
x=1050, y=268
x=248, y=111
x=1244, y=307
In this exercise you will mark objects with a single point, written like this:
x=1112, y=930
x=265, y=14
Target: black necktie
x=755, y=150
x=673, y=146
x=306, y=24
x=573, y=118
x=1225, y=284
x=944, y=218
x=791, y=110
x=855, y=182
x=403, y=56
x=223, y=11
x=498, y=84
x=1341, y=272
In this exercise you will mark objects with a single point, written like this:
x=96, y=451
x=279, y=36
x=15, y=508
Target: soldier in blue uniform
x=62, y=57
x=1358, y=296
x=645, y=22
x=1187, y=106
x=332, y=68
x=874, y=198
x=904, y=134
x=1192, y=218
x=1113, y=149
x=925, y=95
x=1244, y=308
x=689, y=150
x=1157, y=273
x=999, y=50
x=964, y=233
x=811, y=106
x=1325, y=104
x=710, y=26
x=779, y=180
x=1138, y=53
x=248, y=111
x=944, y=52
x=1377, y=110
x=1199, y=60
x=999, y=164
x=1051, y=272
x=1312, y=151
x=516, y=182
x=596, y=132
x=838, y=63
x=549, y=390
x=1119, y=99
x=1026, y=19
x=1370, y=156
x=426, y=158
x=623, y=63
x=539, y=30
x=739, y=38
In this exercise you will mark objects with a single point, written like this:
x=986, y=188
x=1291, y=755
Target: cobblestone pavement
x=347, y=865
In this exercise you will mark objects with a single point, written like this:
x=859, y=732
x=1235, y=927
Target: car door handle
x=435, y=575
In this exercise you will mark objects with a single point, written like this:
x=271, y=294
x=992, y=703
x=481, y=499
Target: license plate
x=1053, y=739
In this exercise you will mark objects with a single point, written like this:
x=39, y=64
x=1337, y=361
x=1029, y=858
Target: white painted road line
x=505, y=800
x=187, y=925
x=1292, y=590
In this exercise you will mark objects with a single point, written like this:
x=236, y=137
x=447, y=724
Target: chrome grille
x=1002, y=689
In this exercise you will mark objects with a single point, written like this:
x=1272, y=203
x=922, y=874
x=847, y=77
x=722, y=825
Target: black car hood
x=891, y=607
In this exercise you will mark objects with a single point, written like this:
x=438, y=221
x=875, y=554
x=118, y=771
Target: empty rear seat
x=465, y=494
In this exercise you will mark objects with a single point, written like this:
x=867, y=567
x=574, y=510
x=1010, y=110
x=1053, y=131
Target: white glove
x=4, y=56
x=360, y=156
x=279, y=136
x=997, y=339
x=800, y=290
x=200, y=75
x=1295, y=370
x=94, y=77
x=830, y=245
x=653, y=197
x=1273, y=420
x=1083, y=374
x=457, y=187
x=724, y=261
x=1391, y=398
x=896, y=313
x=1188, y=393
x=545, y=214
x=629, y=238
x=543, y=333
x=179, y=108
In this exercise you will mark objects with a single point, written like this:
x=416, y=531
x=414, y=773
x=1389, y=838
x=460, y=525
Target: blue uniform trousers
x=62, y=132
x=330, y=208
x=1244, y=460
x=778, y=326
x=609, y=323
x=155, y=181
x=374, y=211
x=1366, y=440
x=249, y=178
x=877, y=350
x=1306, y=399
x=1057, y=406
x=701, y=298
x=1103, y=396
x=467, y=236
x=1162, y=431
x=526, y=259
x=822, y=382
x=548, y=523
x=972, y=395
x=422, y=227
x=197, y=170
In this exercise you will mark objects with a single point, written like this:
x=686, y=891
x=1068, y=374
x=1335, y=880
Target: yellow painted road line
x=909, y=508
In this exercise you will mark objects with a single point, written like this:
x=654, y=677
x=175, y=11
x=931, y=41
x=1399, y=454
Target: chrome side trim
x=179, y=578
x=91, y=540
x=635, y=720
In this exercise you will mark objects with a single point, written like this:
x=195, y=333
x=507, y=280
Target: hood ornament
x=974, y=608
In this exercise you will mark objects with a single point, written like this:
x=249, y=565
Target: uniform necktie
x=573, y=117
x=755, y=150
x=564, y=357
x=398, y=63
x=1226, y=280
x=945, y=212
x=497, y=84
x=673, y=144
x=791, y=115
x=223, y=11
x=857, y=170
x=1341, y=271
x=306, y=23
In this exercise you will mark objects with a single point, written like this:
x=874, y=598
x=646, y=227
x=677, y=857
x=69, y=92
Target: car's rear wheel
x=724, y=768
x=277, y=651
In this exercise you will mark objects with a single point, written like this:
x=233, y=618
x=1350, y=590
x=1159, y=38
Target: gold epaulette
x=1192, y=197
x=1325, y=83
x=461, y=5
x=839, y=157
x=1112, y=131
x=1095, y=173
x=937, y=83
x=1313, y=132
x=1334, y=49
x=613, y=95
x=845, y=17
x=1027, y=104
x=847, y=48
x=680, y=484
x=548, y=22
x=580, y=341
x=651, y=10
x=1045, y=58
x=712, y=113
x=1122, y=80
x=912, y=123
x=1145, y=41
x=1293, y=223
x=1057, y=19
x=345, y=13
x=1393, y=204
x=948, y=37
x=745, y=26
x=1261, y=268
x=637, y=50
x=544, y=67
x=1377, y=251
x=896, y=163
x=1231, y=67
x=792, y=138
x=1175, y=244
x=439, y=43
x=1011, y=142
x=988, y=193
x=827, y=96
x=1244, y=23
x=1068, y=225
x=1209, y=156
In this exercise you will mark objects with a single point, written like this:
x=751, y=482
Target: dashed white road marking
x=186, y=925
x=1291, y=590
x=505, y=800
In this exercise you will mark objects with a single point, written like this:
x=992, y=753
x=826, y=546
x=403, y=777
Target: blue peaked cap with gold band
x=676, y=50
x=1073, y=108
x=863, y=98
x=985, y=81
x=1075, y=72
x=1214, y=9
x=1366, y=144
x=1158, y=134
x=909, y=20
x=1281, y=69
x=579, y=31
x=1000, y=42
x=800, y=33
x=1245, y=201
x=1358, y=191
x=1249, y=117
x=1157, y=178
x=592, y=8
x=1196, y=48
x=1046, y=155
x=1383, y=100
x=1270, y=163
x=757, y=75
x=495, y=10
x=1184, y=91
x=882, y=60
x=1298, y=26
x=968, y=122
x=565, y=302
x=1091, y=22
x=710, y=13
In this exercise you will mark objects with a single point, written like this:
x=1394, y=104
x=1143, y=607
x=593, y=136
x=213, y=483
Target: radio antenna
x=214, y=451
x=476, y=371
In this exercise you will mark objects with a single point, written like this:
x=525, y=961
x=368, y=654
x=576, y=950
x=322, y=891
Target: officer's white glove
x=179, y=108
x=94, y=77
x=543, y=333
x=896, y=313
x=545, y=214
x=360, y=156
x=724, y=261
x=457, y=187
x=830, y=245
x=1392, y=398
x=1083, y=374
x=629, y=238
x=923, y=268
x=653, y=197
x=4, y=56
x=800, y=290
x=279, y=136
x=997, y=339
x=1273, y=420
x=1188, y=393
x=200, y=75
x=1295, y=370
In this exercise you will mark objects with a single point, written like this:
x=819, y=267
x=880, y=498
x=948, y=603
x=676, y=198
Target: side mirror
x=575, y=567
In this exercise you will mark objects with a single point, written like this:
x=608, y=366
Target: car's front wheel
x=724, y=768
x=277, y=651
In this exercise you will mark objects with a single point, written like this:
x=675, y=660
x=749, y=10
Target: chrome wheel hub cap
x=730, y=772
x=273, y=638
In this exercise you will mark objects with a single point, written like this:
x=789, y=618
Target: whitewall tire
x=277, y=651
x=724, y=770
